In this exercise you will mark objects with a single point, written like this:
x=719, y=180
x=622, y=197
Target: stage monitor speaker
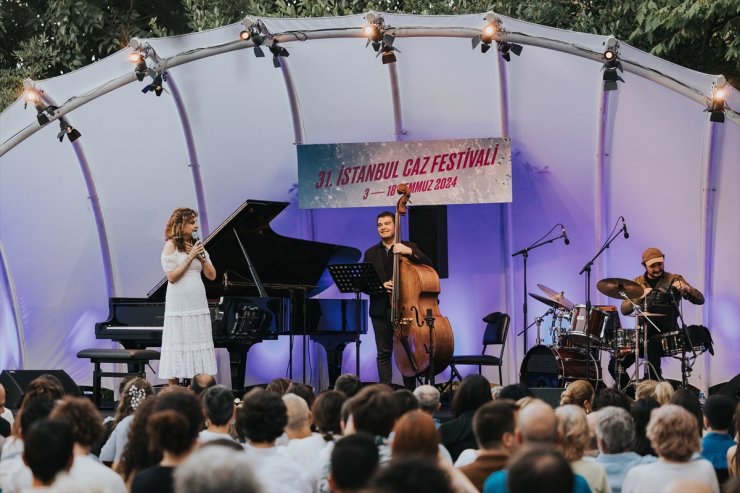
x=16, y=382
x=428, y=229
x=732, y=389
x=549, y=395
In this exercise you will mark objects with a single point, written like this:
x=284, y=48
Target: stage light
x=253, y=29
x=611, y=64
x=381, y=41
x=716, y=108
x=245, y=35
x=157, y=84
x=68, y=130
x=507, y=48
x=277, y=51
x=33, y=96
x=492, y=30
x=139, y=59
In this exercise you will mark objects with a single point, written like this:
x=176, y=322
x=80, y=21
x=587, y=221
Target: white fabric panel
x=10, y=349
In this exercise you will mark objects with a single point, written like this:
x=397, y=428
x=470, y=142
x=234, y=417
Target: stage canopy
x=82, y=222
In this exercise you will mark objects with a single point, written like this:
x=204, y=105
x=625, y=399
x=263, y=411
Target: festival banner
x=463, y=171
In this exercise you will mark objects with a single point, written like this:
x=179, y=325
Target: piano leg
x=334, y=347
x=238, y=364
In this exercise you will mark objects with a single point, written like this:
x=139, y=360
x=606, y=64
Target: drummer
x=662, y=295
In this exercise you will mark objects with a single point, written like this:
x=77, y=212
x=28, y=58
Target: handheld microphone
x=624, y=229
x=195, y=239
x=565, y=236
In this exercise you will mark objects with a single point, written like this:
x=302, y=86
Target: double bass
x=419, y=328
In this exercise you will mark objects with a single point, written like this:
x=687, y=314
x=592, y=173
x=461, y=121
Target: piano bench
x=135, y=358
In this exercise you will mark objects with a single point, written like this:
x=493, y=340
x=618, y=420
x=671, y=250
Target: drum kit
x=579, y=335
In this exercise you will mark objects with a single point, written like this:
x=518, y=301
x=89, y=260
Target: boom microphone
x=624, y=229
x=565, y=236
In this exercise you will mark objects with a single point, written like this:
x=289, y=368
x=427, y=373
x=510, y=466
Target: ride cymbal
x=613, y=287
x=557, y=297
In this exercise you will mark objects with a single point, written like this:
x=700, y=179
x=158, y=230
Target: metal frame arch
x=7, y=280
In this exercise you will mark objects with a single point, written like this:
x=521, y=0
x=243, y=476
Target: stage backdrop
x=84, y=222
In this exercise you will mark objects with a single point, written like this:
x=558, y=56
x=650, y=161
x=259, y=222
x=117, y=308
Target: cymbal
x=557, y=297
x=646, y=314
x=611, y=286
x=547, y=301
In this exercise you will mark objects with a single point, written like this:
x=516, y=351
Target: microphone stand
x=524, y=252
x=685, y=367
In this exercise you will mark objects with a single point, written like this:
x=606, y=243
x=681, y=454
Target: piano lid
x=290, y=263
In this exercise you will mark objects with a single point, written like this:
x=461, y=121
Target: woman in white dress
x=187, y=342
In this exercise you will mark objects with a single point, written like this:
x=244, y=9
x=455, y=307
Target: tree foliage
x=46, y=38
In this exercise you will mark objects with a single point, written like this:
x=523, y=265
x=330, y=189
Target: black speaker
x=16, y=382
x=732, y=389
x=549, y=395
x=428, y=229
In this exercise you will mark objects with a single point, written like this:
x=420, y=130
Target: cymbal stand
x=646, y=366
x=686, y=368
x=538, y=321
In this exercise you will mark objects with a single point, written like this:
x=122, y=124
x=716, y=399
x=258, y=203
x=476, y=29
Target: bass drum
x=546, y=366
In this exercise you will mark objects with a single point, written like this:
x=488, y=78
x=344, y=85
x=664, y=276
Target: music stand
x=356, y=278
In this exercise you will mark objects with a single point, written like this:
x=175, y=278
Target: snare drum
x=545, y=366
x=671, y=343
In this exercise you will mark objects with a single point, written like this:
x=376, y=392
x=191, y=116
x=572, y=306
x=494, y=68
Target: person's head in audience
x=572, y=430
x=299, y=417
x=278, y=386
x=673, y=433
x=537, y=424
x=414, y=434
x=133, y=394
x=201, y=382
x=718, y=412
x=83, y=418
x=689, y=401
x=37, y=409
x=473, y=392
x=217, y=469
x=496, y=391
x=218, y=406
x=524, y=401
x=412, y=475
x=304, y=391
x=373, y=410
x=541, y=470
x=354, y=460
x=612, y=397
x=46, y=387
x=494, y=425
x=327, y=414
x=405, y=401
x=663, y=392
x=175, y=423
x=646, y=388
x=262, y=418
x=48, y=450
x=580, y=393
x=615, y=430
x=136, y=454
x=428, y=398
x=641, y=410
x=515, y=391
x=348, y=384
x=2, y=399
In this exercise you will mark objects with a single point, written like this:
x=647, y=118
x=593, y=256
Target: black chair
x=497, y=328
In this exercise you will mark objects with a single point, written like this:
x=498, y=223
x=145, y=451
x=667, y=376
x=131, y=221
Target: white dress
x=187, y=342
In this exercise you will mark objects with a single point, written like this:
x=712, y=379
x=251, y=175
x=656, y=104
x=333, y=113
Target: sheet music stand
x=356, y=278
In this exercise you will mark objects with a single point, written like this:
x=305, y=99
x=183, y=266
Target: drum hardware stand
x=646, y=366
x=538, y=321
x=686, y=368
x=524, y=252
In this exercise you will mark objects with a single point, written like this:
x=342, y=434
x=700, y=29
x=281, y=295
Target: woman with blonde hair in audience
x=574, y=438
x=580, y=393
x=660, y=391
x=415, y=435
x=674, y=435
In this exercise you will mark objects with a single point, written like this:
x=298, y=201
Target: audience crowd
x=353, y=438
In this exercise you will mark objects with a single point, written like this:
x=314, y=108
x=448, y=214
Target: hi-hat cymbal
x=557, y=297
x=547, y=301
x=614, y=286
x=646, y=314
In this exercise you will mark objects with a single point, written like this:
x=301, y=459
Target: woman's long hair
x=173, y=229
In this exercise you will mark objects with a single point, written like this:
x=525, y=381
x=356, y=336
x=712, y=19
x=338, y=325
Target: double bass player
x=380, y=256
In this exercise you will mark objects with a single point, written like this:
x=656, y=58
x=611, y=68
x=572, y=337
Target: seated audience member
x=413, y=475
x=48, y=453
x=304, y=391
x=687, y=485
x=5, y=413
x=299, y=417
x=674, y=435
x=515, y=392
x=137, y=455
x=641, y=411
x=457, y=433
x=201, y=382
x=326, y=414
x=540, y=469
x=348, y=384
x=428, y=398
x=660, y=391
x=414, y=435
x=173, y=428
x=496, y=391
x=574, y=438
x=615, y=433
x=216, y=469
x=259, y=422
x=612, y=397
x=580, y=393
x=279, y=386
x=14, y=474
x=86, y=423
x=718, y=412
x=733, y=458
x=134, y=393
x=218, y=410
x=354, y=460
x=689, y=401
x=494, y=427
x=537, y=425
x=405, y=401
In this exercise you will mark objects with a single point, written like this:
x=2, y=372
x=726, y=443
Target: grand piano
x=264, y=290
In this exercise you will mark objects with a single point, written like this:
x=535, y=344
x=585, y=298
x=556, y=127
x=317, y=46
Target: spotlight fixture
x=139, y=59
x=245, y=35
x=157, y=84
x=68, y=130
x=277, y=51
x=253, y=30
x=492, y=30
x=43, y=111
x=381, y=41
x=716, y=108
x=507, y=48
x=611, y=64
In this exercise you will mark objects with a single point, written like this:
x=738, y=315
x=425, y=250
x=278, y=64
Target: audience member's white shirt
x=277, y=473
x=7, y=415
x=466, y=457
x=647, y=478
x=113, y=448
x=98, y=477
x=14, y=475
x=304, y=451
x=208, y=436
x=594, y=474
x=13, y=446
x=62, y=484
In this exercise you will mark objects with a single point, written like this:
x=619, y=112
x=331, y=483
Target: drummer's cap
x=651, y=256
